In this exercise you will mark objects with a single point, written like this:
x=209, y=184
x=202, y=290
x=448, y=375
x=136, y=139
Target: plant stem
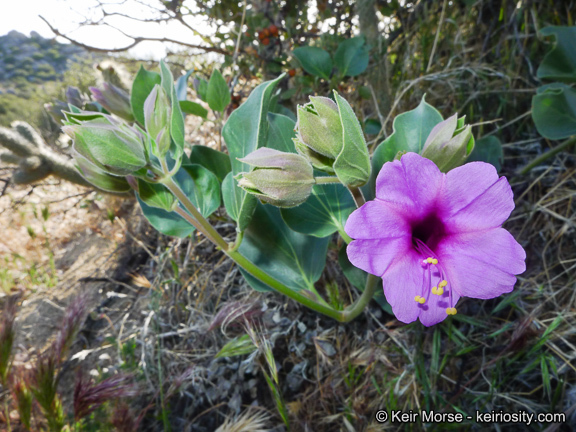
x=194, y=217
x=357, y=195
x=325, y=180
x=548, y=155
x=358, y=306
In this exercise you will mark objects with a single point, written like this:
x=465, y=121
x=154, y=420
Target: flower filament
x=433, y=268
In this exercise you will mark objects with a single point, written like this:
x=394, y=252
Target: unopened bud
x=114, y=147
x=157, y=114
x=281, y=179
x=320, y=128
x=115, y=100
x=447, y=146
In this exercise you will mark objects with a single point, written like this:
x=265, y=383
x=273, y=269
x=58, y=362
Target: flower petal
x=375, y=255
x=475, y=199
x=482, y=264
x=411, y=184
x=434, y=310
x=402, y=282
x=375, y=220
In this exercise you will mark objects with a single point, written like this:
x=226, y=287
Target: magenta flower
x=435, y=237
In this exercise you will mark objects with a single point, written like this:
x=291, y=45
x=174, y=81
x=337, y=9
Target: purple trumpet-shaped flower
x=435, y=237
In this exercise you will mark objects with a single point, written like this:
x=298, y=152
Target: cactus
x=23, y=146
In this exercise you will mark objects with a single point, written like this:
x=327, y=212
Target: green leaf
x=201, y=187
x=554, y=111
x=372, y=127
x=324, y=213
x=351, y=57
x=201, y=87
x=218, y=94
x=281, y=132
x=143, y=84
x=193, y=108
x=155, y=195
x=182, y=86
x=410, y=130
x=488, y=149
x=560, y=63
x=315, y=61
x=177, y=131
x=358, y=277
x=245, y=131
x=239, y=204
x=213, y=160
x=295, y=259
x=352, y=166
x=168, y=223
x=238, y=346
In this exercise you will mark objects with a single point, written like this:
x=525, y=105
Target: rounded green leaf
x=143, y=84
x=193, y=108
x=488, y=149
x=295, y=259
x=218, y=94
x=168, y=223
x=156, y=195
x=410, y=131
x=554, y=111
x=560, y=63
x=200, y=186
x=315, y=61
x=325, y=212
x=351, y=57
x=213, y=160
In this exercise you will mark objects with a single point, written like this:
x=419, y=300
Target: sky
x=66, y=15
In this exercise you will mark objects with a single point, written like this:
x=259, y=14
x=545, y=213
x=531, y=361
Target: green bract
x=157, y=115
x=114, y=147
x=331, y=138
x=447, y=146
x=281, y=179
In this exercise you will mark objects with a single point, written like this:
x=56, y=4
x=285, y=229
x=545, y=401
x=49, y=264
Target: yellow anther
x=434, y=290
x=420, y=300
x=439, y=291
x=434, y=261
x=429, y=260
x=451, y=311
x=442, y=284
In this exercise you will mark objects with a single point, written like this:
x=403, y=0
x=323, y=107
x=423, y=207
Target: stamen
x=429, y=260
x=442, y=284
x=420, y=300
x=434, y=290
x=451, y=311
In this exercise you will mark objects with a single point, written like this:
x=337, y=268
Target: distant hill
x=34, y=59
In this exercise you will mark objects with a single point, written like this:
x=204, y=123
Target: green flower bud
x=100, y=178
x=112, y=146
x=157, y=116
x=320, y=128
x=448, y=145
x=331, y=138
x=114, y=99
x=281, y=179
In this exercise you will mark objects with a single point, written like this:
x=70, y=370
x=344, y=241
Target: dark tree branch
x=136, y=41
